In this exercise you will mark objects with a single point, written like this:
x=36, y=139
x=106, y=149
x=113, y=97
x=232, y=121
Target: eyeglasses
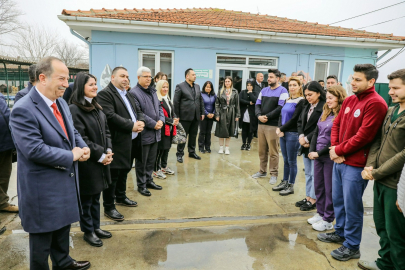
x=149, y=77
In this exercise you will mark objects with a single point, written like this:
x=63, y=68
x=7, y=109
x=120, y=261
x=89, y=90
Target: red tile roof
x=230, y=19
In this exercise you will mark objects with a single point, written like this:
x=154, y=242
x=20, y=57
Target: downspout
x=88, y=44
x=383, y=55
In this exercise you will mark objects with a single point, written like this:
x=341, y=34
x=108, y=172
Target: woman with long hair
x=94, y=174
x=323, y=165
x=315, y=96
x=227, y=114
x=247, y=99
x=288, y=133
x=209, y=97
x=168, y=131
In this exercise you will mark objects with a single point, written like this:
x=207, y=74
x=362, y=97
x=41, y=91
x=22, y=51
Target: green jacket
x=387, y=153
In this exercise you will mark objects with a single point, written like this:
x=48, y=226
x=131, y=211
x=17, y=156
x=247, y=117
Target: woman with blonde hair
x=323, y=165
x=227, y=114
x=288, y=133
x=168, y=131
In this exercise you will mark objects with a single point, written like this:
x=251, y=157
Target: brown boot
x=11, y=208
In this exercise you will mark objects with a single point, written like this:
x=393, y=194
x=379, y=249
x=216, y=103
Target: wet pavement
x=210, y=215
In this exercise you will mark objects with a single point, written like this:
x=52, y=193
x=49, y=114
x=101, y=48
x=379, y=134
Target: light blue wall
x=117, y=48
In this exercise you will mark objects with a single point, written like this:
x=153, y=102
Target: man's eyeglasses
x=149, y=77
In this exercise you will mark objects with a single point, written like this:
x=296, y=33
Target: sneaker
x=221, y=150
x=248, y=147
x=302, y=202
x=11, y=208
x=227, y=151
x=280, y=186
x=259, y=175
x=322, y=225
x=332, y=237
x=308, y=206
x=344, y=254
x=314, y=219
x=243, y=147
x=167, y=170
x=367, y=265
x=159, y=174
x=289, y=189
x=273, y=180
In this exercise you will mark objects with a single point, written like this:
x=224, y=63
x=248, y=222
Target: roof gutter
x=86, y=41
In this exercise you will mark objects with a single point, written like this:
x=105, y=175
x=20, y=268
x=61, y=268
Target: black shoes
x=243, y=147
x=152, y=185
x=126, y=202
x=92, y=239
x=248, y=147
x=332, y=237
x=144, y=191
x=75, y=265
x=344, y=254
x=179, y=159
x=102, y=234
x=308, y=206
x=202, y=151
x=194, y=155
x=208, y=150
x=302, y=202
x=113, y=214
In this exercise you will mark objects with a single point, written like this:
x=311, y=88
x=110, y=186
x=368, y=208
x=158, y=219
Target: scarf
x=167, y=127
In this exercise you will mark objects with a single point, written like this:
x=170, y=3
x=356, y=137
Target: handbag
x=236, y=133
x=14, y=151
x=181, y=136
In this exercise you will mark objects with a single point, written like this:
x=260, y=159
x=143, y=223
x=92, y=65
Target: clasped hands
x=279, y=133
x=366, y=173
x=159, y=125
x=333, y=156
x=138, y=126
x=108, y=158
x=81, y=154
x=263, y=118
x=210, y=115
x=303, y=142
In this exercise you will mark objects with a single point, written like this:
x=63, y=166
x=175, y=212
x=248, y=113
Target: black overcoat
x=226, y=125
x=244, y=99
x=120, y=125
x=91, y=123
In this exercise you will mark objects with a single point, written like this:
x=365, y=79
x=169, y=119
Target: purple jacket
x=209, y=102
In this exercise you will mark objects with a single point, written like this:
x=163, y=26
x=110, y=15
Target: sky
x=44, y=12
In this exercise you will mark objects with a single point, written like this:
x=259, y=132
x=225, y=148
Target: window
x=233, y=60
x=263, y=61
x=325, y=68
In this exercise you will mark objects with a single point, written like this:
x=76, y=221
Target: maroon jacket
x=356, y=125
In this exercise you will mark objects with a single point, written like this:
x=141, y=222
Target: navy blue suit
x=47, y=177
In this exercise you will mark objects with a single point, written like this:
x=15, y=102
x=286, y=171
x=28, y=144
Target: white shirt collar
x=47, y=100
x=122, y=92
x=88, y=99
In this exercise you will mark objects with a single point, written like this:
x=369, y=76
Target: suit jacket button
x=72, y=174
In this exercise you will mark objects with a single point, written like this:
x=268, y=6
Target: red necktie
x=58, y=116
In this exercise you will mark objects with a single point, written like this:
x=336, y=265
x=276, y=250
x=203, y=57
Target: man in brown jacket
x=384, y=165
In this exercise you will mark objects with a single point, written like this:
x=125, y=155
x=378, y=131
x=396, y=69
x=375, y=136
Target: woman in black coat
x=94, y=174
x=306, y=125
x=167, y=131
x=249, y=122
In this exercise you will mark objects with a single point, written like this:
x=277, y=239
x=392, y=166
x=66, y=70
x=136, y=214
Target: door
x=253, y=72
x=237, y=74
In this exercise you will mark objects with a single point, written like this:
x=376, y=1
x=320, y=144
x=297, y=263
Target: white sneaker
x=227, y=151
x=314, y=219
x=273, y=180
x=322, y=225
x=159, y=174
x=221, y=150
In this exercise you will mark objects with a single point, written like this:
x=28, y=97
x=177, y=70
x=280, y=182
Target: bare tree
x=9, y=14
x=70, y=53
x=35, y=42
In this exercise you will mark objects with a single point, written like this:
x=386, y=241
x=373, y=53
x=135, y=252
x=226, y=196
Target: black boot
x=92, y=239
x=248, y=147
x=243, y=147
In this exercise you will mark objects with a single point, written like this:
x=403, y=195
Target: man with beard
x=268, y=108
x=384, y=166
x=353, y=131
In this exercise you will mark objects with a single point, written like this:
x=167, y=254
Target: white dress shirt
x=123, y=94
x=47, y=100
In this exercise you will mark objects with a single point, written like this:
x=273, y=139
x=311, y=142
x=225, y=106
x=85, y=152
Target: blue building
x=218, y=43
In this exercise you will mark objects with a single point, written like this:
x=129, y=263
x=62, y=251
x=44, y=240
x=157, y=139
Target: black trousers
x=117, y=189
x=204, y=138
x=246, y=134
x=54, y=243
x=144, y=168
x=161, y=159
x=90, y=219
x=191, y=128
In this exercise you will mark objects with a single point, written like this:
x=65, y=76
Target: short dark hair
x=44, y=66
x=301, y=74
x=283, y=74
x=78, y=88
x=275, y=71
x=321, y=81
x=332, y=77
x=399, y=74
x=31, y=73
x=187, y=71
x=116, y=69
x=369, y=70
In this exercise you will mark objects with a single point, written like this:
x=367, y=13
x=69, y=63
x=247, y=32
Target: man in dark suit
x=48, y=147
x=189, y=106
x=31, y=83
x=125, y=121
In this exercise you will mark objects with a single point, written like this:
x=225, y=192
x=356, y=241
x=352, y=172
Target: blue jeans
x=289, y=145
x=309, y=177
x=347, y=191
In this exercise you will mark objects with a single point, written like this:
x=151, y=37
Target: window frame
x=328, y=67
